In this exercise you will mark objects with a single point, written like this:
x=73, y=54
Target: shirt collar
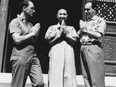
x=94, y=17
x=58, y=24
x=21, y=18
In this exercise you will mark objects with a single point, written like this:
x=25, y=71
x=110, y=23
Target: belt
x=87, y=43
x=91, y=43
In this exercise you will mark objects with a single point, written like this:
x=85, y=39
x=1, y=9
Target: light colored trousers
x=62, y=71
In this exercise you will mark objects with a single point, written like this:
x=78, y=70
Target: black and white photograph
x=58, y=43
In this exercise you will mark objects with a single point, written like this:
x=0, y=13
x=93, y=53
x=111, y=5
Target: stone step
x=5, y=80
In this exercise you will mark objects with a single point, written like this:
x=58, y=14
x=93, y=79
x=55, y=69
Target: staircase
x=5, y=80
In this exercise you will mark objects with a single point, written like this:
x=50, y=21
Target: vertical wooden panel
x=3, y=22
x=83, y=5
x=106, y=9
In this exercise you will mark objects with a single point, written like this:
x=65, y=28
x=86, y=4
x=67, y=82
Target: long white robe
x=62, y=71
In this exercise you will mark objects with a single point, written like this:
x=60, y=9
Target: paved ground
x=5, y=80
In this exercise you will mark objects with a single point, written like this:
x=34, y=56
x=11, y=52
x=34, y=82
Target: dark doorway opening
x=46, y=11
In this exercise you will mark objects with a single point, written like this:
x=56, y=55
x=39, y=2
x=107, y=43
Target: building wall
x=45, y=20
x=3, y=22
x=105, y=9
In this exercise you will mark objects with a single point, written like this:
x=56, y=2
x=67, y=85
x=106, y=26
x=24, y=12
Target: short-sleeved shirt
x=25, y=49
x=96, y=24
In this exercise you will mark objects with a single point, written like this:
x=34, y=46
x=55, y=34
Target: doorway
x=46, y=15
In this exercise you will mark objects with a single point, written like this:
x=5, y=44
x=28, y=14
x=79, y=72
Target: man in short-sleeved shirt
x=23, y=58
x=92, y=56
x=17, y=25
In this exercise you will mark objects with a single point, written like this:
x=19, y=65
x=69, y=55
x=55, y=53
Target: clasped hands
x=83, y=26
x=63, y=30
x=36, y=29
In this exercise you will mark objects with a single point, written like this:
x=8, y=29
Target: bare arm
x=99, y=30
x=22, y=38
x=96, y=31
x=18, y=39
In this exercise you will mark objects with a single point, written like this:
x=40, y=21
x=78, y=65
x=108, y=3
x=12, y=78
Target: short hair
x=61, y=9
x=24, y=3
x=94, y=5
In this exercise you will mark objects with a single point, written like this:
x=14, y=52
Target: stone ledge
x=5, y=80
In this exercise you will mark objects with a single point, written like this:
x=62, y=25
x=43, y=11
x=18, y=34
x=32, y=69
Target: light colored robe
x=62, y=71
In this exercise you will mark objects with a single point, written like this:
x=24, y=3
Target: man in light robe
x=62, y=38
